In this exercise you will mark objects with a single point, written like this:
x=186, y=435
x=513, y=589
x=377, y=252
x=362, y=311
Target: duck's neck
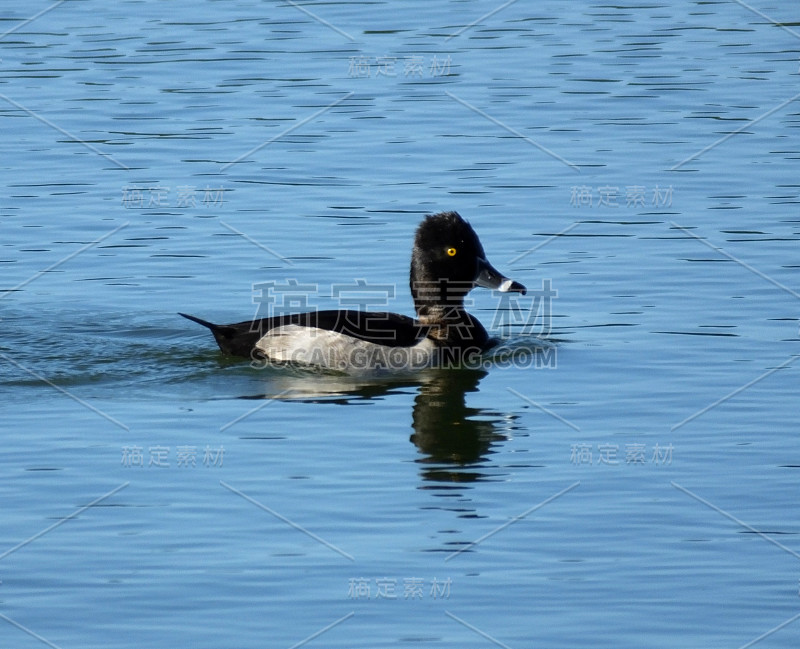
x=452, y=325
x=440, y=299
x=440, y=305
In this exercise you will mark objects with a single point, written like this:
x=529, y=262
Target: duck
x=447, y=262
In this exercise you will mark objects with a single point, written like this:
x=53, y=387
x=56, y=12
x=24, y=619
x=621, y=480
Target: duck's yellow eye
x=451, y=252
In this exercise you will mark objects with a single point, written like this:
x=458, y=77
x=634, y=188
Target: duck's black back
x=389, y=329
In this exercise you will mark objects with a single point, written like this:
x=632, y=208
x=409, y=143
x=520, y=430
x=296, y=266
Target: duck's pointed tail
x=232, y=339
x=200, y=321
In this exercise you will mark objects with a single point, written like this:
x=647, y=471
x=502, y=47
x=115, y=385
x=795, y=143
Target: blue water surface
x=629, y=478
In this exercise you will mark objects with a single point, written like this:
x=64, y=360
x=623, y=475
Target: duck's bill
x=490, y=277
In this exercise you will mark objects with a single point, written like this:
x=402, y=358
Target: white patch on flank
x=337, y=351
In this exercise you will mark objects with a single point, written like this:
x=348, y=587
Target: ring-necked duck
x=447, y=262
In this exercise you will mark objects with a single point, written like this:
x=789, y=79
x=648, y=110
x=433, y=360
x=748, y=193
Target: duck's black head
x=447, y=262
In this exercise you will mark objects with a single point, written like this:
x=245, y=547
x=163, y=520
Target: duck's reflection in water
x=454, y=440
